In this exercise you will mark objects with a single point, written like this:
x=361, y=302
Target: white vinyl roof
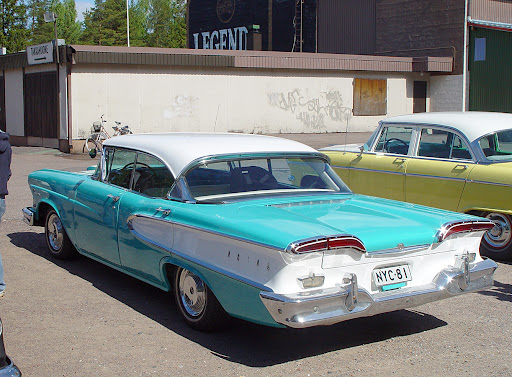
x=179, y=149
x=473, y=124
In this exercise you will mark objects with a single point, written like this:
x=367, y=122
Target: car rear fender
x=238, y=298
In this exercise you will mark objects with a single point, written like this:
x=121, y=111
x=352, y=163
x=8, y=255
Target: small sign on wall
x=40, y=54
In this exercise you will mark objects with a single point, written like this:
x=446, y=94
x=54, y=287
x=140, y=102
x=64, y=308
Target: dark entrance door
x=419, y=97
x=41, y=106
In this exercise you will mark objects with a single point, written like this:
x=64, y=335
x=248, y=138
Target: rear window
x=497, y=146
x=262, y=175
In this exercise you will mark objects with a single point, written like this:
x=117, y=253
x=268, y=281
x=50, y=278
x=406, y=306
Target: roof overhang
x=490, y=24
x=79, y=54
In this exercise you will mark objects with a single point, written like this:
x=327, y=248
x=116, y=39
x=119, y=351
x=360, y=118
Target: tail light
x=464, y=226
x=311, y=245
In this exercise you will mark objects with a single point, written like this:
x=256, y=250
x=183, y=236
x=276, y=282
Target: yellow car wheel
x=497, y=242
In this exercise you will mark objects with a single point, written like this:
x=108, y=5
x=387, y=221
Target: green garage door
x=490, y=65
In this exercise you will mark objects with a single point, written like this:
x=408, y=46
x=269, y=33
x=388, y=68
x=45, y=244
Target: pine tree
x=13, y=32
x=166, y=26
x=105, y=23
x=67, y=25
x=40, y=31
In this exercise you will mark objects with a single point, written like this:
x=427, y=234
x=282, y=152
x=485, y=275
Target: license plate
x=391, y=275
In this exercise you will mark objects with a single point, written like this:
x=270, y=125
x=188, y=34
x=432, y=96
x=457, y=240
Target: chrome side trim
x=188, y=258
x=332, y=305
x=435, y=177
x=369, y=170
x=206, y=231
x=490, y=183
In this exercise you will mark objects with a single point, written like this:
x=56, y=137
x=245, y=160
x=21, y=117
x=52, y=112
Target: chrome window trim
x=447, y=129
x=437, y=126
x=477, y=145
x=187, y=197
x=412, y=142
x=188, y=257
x=130, y=189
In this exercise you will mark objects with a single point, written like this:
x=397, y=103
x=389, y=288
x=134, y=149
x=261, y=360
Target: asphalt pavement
x=80, y=318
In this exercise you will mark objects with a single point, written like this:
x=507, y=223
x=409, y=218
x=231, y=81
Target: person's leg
x=2, y=282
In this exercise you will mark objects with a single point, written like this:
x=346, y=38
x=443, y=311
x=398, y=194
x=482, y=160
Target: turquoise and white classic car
x=255, y=227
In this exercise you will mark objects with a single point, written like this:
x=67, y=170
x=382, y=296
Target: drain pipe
x=465, y=64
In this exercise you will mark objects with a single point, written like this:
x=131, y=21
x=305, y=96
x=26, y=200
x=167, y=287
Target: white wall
x=446, y=93
x=160, y=99
x=14, y=102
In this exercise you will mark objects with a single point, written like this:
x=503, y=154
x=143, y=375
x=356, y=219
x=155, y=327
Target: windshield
x=497, y=146
x=270, y=175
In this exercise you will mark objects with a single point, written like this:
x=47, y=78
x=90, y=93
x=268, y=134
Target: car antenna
x=346, y=136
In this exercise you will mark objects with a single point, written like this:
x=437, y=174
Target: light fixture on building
x=52, y=17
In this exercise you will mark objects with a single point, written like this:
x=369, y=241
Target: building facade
x=162, y=90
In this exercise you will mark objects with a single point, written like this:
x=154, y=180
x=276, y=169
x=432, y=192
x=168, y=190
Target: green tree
x=166, y=23
x=139, y=11
x=67, y=25
x=40, y=31
x=13, y=32
x=105, y=23
x=68, y=28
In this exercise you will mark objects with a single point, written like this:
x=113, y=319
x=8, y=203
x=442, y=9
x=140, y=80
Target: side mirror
x=93, y=153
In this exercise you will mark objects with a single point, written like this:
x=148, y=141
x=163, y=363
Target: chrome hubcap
x=501, y=235
x=55, y=232
x=192, y=293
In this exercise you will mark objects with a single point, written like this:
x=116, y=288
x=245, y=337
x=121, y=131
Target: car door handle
x=113, y=197
x=400, y=160
x=165, y=211
x=463, y=167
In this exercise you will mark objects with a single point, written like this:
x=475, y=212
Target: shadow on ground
x=244, y=343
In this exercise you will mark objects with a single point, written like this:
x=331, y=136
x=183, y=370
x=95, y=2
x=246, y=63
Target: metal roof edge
x=258, y=59
x=490, y=24
x=239, y=59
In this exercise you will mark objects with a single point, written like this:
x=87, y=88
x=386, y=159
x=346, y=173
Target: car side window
x=119, y=165
x=394, y=140
x=151, y=177
x=442, y=144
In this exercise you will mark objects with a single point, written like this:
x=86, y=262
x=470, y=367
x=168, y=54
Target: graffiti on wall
x=312, y=112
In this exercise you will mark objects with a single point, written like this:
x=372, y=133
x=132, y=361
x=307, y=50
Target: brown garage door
x=41, y=111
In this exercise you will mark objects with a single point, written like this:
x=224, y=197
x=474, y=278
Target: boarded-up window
x=370, y=97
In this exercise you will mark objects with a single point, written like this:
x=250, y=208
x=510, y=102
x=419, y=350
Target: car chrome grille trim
x=400, y=250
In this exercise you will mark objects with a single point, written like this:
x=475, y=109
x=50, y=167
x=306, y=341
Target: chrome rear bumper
x=28, y=215
x=330, y=306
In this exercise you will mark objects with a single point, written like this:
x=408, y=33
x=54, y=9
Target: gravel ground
x=81, y=318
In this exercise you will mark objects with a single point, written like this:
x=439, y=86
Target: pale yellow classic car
x=456, y=161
